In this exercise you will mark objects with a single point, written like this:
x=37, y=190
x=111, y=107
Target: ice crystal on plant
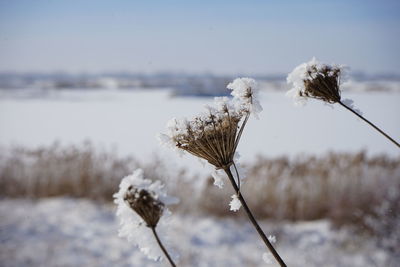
x=235, y=203
x=272, y=238
x=246, y=94
x=218, y=176
x=350, y=103
x=267, y=257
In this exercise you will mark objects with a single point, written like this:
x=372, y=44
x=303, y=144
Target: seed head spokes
x=145, y=204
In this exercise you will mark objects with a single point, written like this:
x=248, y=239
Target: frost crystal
x=218, y=176
x=272, y=239
x=142, y=204
x=316, y=80
x=267, y=257
x=350, y=104
x=246, y=95
x=235, y=203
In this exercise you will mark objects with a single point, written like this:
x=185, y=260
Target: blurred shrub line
x=346, y=188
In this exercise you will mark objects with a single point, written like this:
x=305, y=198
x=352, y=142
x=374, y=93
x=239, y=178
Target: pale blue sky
x=254, y=37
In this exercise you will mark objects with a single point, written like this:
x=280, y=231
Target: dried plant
x=321, y=81
x=214, y=136
x=145, y=204
x=148, y=200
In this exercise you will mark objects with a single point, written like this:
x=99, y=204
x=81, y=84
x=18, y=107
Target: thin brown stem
x=153, y=229
x=253, y=220
x=370, y=123
x=238, y=178
x=241, y=131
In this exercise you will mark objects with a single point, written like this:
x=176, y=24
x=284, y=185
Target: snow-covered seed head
x=145, y=204
x=142, y=203
x=212, y=138
x=316, y=80
x=214, y=135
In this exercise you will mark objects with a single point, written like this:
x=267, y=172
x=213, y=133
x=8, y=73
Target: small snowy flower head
x=214, y=134
x=316, y=80
x=142, y=205
x=246, y=94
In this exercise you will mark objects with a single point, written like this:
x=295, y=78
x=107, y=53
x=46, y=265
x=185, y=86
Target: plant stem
x=253, y=220
x=370, y=123
x=162, y=247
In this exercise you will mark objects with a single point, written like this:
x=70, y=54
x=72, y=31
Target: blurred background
x=85, y=87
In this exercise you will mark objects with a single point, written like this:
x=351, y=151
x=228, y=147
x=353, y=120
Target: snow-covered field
x=70, y=232
x=130, y=120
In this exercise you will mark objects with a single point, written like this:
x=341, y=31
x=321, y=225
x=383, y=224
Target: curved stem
x=253, y=220
x=370, y=123
x=162, y=247
x=238, y=178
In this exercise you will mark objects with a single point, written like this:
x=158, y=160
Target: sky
x=222, y=37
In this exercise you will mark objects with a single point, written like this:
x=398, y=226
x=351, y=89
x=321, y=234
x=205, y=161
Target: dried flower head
x=316, y=80
x=143, y=204
x=215, y=134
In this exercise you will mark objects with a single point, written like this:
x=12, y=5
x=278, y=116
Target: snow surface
x=71, y=232
x=130, y=120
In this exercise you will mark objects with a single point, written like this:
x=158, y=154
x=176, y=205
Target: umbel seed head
x=316, y=80
x=145, y=204
x=214, y=135
x=322, y=83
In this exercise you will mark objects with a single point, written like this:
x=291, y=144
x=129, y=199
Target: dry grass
x=77, y=171
x=343, y=187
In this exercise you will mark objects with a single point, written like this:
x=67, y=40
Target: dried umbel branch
x=322, y=81
x=145, y=204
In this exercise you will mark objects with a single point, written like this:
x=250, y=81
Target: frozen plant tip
x=214, y=136
x=322, y=81
x=141, y=205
